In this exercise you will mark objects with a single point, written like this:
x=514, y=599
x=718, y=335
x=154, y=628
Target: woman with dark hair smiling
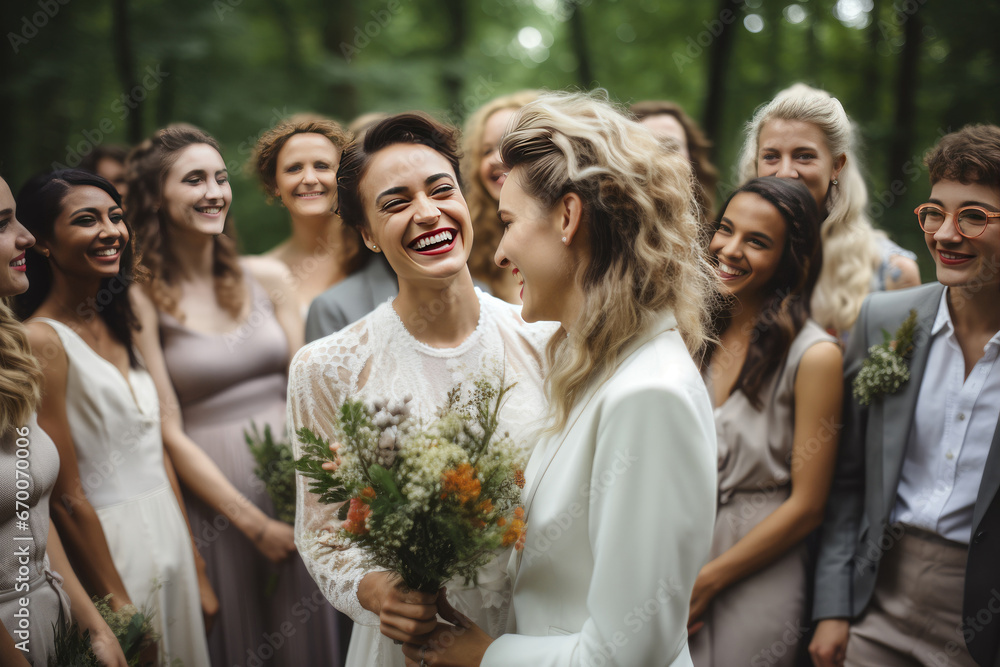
x=600, y=231
x=34, y=570
x=775, y=380
x=119, y=510
x=399, y=186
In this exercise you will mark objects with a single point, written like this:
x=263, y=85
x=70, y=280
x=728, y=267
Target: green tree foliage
x=75, y=73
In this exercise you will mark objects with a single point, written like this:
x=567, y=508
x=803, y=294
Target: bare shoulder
x=823, y=359
x=46, y=346
x=268, y=270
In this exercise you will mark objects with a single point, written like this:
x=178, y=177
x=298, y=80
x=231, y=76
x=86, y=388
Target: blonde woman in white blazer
x=599, y=230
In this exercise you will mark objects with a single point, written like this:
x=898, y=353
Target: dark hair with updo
x=146, y=170
x=39, y=204
x=405, y=128
x=971, y=155
x=786, y=307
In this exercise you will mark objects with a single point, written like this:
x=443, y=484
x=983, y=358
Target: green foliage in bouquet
x=133, y=629
x=428, y=502
x=275, y=467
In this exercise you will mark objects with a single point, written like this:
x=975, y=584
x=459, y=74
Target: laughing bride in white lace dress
x=398, y=185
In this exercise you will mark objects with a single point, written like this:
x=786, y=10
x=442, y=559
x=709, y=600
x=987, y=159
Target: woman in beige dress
x=774, y=377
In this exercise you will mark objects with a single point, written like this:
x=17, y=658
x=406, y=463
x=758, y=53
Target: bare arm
x=194, y=467
x=102, y=639
x=9, y=653
x=903, y=273
x=71, y=512
x=818, y=399
x=276, y=279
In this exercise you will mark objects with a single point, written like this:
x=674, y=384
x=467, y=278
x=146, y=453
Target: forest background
x=77, y=73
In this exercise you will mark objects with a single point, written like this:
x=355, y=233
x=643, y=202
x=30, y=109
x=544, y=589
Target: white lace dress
x=378, y=358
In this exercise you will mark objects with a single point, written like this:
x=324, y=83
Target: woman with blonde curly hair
x=600, y=233
x=668, y=120
x=296, y=162
x=218, y=333
x=29, y=464
x=805, y=133
x=483, y=175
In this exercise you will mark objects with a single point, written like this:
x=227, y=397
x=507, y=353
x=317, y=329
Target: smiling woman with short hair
x=400, y=187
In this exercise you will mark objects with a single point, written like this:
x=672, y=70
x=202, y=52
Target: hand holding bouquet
x=429, y=502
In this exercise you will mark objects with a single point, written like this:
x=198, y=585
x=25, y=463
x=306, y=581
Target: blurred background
x=77, y=73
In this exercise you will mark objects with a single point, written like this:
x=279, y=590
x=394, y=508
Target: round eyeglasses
x=970, y=221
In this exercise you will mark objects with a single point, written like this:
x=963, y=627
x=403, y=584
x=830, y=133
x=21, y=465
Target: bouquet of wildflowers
x=885, y=369
x=133, y=629
x=429, y=502
x=275, y=468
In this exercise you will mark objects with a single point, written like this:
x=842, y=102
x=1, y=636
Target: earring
x=836, y=182
x=374, y=247
x=564, y=239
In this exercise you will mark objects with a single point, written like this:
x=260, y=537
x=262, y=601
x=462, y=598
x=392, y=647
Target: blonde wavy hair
x=646, y=254
x=850, y=243
x=21, y=376
x=482, y=205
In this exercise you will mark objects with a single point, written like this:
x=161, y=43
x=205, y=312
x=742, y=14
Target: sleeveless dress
x=378, y=358
x=754, y=620
x=25, y=486
x=115, y=423
x=223, y=383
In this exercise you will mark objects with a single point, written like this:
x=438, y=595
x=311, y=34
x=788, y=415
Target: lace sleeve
x=321, y=375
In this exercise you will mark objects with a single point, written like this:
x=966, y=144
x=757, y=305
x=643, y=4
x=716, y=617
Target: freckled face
x=748, y=245
x=961, y=261
x=797, y=149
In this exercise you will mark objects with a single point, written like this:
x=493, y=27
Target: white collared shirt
x=953, y=427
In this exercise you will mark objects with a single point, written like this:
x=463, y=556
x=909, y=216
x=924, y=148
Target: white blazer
x=620, y=509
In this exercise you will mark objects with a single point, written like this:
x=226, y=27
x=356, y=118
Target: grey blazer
x=869, y=463
x=351, y=299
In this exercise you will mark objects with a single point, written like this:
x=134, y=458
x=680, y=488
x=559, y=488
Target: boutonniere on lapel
x=886, y=369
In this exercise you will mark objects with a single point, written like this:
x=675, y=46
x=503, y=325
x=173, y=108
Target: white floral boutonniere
x=886, y=369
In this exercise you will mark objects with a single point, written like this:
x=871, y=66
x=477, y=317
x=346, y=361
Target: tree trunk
x=718, y=65
x=339, y=42
x=452, y=71
x=579, y=44
x=124, y=56
x=905, y=96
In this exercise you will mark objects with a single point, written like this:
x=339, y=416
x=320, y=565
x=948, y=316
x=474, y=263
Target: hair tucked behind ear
x=20, y=375
x=646, y=254
x=850, y=243
x=146, y=170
